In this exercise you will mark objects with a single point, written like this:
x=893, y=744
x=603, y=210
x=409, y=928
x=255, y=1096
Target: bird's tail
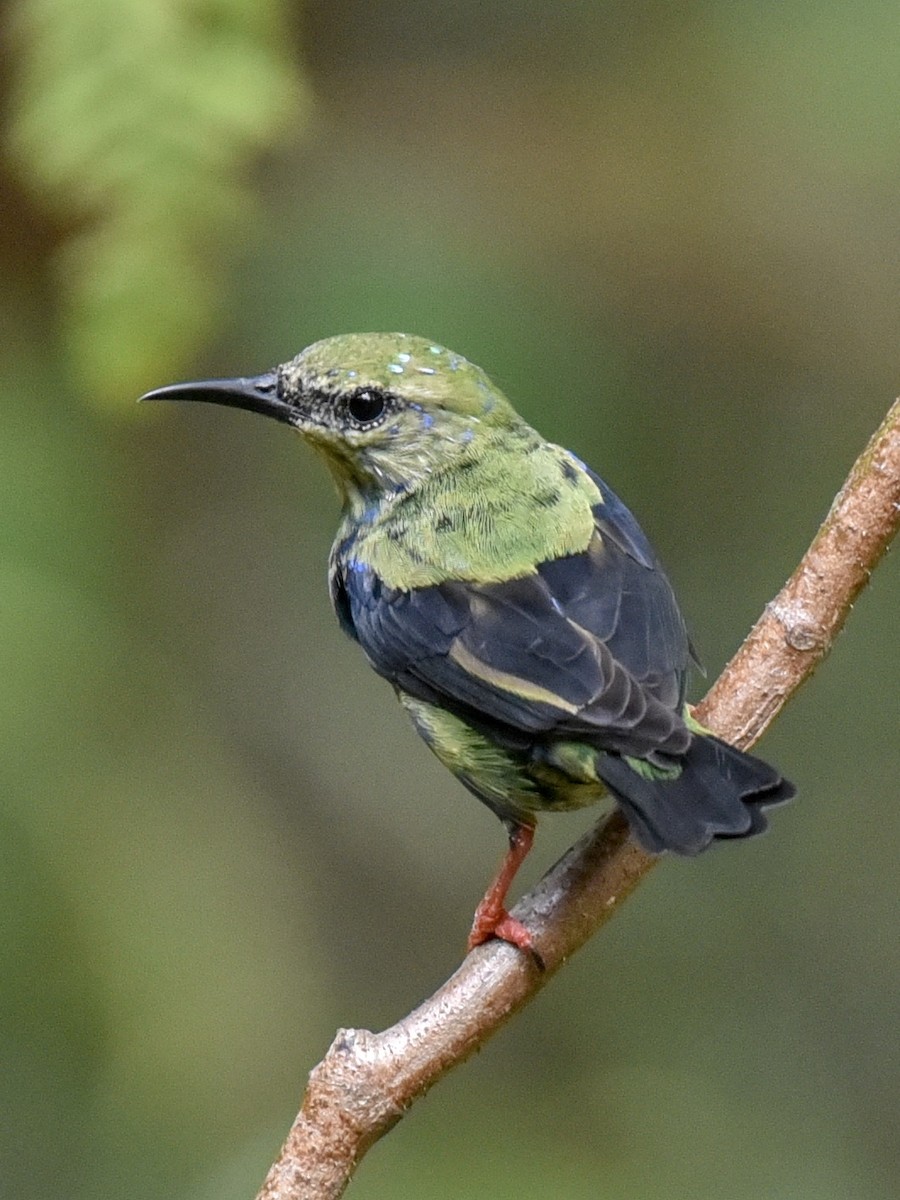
x=720, y=792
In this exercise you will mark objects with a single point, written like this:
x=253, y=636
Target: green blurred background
x=672, y=233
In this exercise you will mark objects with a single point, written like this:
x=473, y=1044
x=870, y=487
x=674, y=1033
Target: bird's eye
x=366, y=405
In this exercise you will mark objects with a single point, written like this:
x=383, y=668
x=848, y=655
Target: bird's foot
x=491, y=918
x=493, y=921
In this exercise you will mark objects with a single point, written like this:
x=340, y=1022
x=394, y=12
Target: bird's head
x=385, y=410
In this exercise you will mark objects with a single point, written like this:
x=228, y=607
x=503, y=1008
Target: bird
x=509, y=597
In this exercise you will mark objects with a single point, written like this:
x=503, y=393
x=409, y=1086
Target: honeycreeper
x=510, y=598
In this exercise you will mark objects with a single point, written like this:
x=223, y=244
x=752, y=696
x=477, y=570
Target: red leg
x=491, y=918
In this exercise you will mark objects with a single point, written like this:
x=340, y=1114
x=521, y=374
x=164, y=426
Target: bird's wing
x=590, y=645
x=620, y=592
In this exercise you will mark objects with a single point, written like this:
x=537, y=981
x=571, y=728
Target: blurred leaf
x=134, y=119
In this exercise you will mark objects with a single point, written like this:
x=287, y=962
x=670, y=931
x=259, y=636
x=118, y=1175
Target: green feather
x=481, y=517
x=516, y=787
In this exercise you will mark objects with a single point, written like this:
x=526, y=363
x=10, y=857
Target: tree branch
x=367, y=1080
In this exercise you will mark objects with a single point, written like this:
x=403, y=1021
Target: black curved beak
x=257, y=394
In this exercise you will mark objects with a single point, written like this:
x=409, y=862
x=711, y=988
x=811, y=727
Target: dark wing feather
x=592, y=645
x=627, y=601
